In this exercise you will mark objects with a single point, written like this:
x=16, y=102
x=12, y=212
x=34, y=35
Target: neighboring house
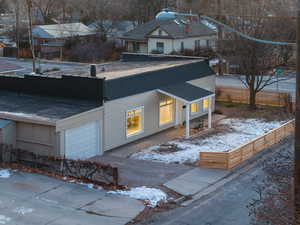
x=139, y=102
x=113, y=29
x=170, y=33
x=50, y=39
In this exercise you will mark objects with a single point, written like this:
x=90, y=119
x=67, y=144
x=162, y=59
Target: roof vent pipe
x=93, y=70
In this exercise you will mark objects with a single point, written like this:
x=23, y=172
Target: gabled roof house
x=169, y=33
x=50, y=39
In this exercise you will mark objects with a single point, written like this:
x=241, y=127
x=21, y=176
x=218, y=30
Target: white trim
x=183, y=100
x=126, y=118
x=187, y=121
x=177, y=112
x=197, y=112
x=173, y=113
x=209, y=112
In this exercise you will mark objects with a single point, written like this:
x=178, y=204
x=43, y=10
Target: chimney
x=93, y=70
x=187, y=28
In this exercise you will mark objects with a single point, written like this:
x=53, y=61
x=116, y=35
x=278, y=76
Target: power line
x=230, y=29
x=251, y=16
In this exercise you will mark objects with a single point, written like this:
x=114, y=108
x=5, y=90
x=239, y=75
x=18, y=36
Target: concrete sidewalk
x=38, y=200
x=196, y=180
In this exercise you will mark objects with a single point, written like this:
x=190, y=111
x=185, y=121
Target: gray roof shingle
x=175, y=29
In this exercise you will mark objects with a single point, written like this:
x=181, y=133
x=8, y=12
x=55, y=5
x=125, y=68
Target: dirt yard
x=237, y=110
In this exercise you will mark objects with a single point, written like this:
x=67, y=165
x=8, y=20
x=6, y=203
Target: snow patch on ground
x=151, y=196
x=5, y=173
x=4, y=219
x=241, y=131
x=91, y=186
x=23, y=210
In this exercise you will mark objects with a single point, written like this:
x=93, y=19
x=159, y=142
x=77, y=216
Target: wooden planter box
x=231, y=159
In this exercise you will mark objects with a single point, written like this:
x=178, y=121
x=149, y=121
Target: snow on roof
x=61, y=30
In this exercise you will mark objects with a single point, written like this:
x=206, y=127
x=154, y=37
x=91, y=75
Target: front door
x=180, y=112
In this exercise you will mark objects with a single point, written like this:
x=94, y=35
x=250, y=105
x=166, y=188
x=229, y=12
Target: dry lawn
x=238, y=110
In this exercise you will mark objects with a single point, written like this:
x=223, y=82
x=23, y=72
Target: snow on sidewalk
x=151, y=196
x=241, y=131
x=5, y=173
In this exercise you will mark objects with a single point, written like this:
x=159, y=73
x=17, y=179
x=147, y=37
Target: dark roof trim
x=186, y=92
x=152, y=80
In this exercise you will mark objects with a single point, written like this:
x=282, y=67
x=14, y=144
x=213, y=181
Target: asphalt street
x=226, y=206
x=286, y=85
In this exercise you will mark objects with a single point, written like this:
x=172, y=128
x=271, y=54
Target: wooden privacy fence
x=241, y=95
x=231, y=159
x=87, y=171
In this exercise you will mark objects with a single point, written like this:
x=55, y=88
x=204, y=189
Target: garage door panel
x=83, y=142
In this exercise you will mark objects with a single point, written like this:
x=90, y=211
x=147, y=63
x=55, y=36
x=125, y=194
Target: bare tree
x=256, y=60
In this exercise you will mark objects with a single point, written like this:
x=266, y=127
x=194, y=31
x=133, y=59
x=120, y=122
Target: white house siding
x=207, y=83
x=115, y=115
x=156, y=33
x=171, y=45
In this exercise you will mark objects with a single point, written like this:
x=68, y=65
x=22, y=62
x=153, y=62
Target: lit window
x=194, y=108
x=134, y=121
x=166, y=110
x=205, y=104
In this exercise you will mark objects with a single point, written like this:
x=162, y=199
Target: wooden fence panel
x=241, y=95
x=259, y=144
x=217, y=160
x=231, y=159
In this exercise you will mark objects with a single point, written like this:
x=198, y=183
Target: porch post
x=209, y=112
x=176, y=112
x=187, y=121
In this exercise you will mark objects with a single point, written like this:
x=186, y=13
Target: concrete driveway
x=136, y=173
x=39, y=200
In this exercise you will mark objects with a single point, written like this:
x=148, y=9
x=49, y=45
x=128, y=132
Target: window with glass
x=166, y=110
x=205, y=104
x=135, y=121
x=182, y=47
x=136, y=46
x=197, y=45
x=160, y=47
x=194, y=108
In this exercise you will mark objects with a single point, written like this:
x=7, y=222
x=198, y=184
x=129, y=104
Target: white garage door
x=83, y=142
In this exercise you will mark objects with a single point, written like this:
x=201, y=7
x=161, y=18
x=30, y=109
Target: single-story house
x=170, y=33
x=113, y=29
x=50, y=39
x=81, y=117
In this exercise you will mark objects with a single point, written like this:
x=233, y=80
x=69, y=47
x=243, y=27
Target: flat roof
x=118, y=69
x=47, y=110
x=124, y=69
x=7, y=67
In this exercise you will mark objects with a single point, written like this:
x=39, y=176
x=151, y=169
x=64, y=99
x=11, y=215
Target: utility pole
x=17, y=12
x=297, y=128
x=29, y=7
x=220, y=35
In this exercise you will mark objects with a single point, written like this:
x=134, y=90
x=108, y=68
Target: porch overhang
x=189, y=94
x=186, y=92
